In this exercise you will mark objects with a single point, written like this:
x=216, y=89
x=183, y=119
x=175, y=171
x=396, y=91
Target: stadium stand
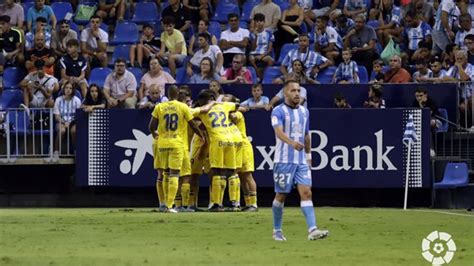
x=223, y=9
x=137, y=72
x=98, y=75
x=325, y=76
x=125, y=33
x=11, y=99
x=61, y=9
x=120, y=51
x=12, y=77
x=270, y=74
x=455, y=175
x=145, y=12
x=363, y=77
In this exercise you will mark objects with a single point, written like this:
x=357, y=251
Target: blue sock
x=308, y=211
x=277, y=209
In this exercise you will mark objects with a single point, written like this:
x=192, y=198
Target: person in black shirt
x=147, y=48
x=73, y=66
x=422, y=100
x=181, y=15
x=40, y=52
x=469, y=42
x=94, y=99
x=10, y=44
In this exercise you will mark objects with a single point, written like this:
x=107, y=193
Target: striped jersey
x=330, y=35
x=309, y=59
x=449, y=7
x=415, y=35
x=346, y=72
x=65, y=108
x=459, y=39
x=262, y=39
x=295, y=124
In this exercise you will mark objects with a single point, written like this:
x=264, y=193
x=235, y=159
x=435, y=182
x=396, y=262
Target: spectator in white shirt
x=234, y=40
x=94, y=42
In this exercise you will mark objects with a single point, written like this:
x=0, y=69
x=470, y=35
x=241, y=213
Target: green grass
x=142, y=237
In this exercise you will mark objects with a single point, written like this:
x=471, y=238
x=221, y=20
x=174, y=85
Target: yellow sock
x=173, y=183
x=185, y=193
x=246, y=199
x=160, y=192
x=253, y=198
x=216, y=189
x=222, y=191
x=165, y=187
x=237, y=190
x=192, y=201
x=178, y=202
x=232, y=184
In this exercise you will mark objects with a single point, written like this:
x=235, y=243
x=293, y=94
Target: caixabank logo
x=438, y=248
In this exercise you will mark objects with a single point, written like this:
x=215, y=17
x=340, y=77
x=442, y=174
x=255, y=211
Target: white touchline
x=443, y=212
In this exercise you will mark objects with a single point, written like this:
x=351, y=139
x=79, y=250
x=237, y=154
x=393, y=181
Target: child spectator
x=146, y=49
x=65, y=108
x=94, y=99
x=73, y=67
x=153, y=98
x=423, y=73
x=261, y=41
x=347, y=71
x=375, y=99
x=327, y=40
x=173, y=46
x=340, y=101
x=257, y=101
x=377, y=72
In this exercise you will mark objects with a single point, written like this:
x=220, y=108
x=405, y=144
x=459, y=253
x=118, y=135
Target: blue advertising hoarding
x=351, y=148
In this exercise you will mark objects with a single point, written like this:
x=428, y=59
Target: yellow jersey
x=217, y=121
x=240, y=123
x=173, y=118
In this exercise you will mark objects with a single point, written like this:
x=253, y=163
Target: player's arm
x=282, y=136
x=196, y=129
x=152, y=126
x=204, y=109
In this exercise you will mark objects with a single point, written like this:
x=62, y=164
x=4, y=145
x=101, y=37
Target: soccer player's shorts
x=170, y=158
x=287, y=175
x=186, y=167
x=247, y=158
x=222, y=155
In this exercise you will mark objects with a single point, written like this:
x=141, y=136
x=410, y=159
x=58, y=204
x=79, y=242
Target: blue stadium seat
x=145, y=12
x=98, y=76
x=60, y=9
x=223, y=9
x=215, y=29
x=455, y=175
x=363, y=76
x=11, y=99
x=303, y=27
x=283, y=5
x=325, y=77
x=167, y=70
x=254, y=74
x=270, y=74
x=125, y=33
x=19, y=120
x=287, y=47
x=26, y=7
x=137, y=72
x=75, y=28
x=445, y=126
x=120, y=51
x=157, y=27
x=181, y=76
x=12, y=76
x=246, y=10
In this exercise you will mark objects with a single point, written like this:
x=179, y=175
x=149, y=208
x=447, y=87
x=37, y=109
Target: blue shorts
x=287, y=175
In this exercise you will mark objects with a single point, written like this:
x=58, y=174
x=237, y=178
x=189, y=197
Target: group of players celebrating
x=220, y=143
x=207, y=138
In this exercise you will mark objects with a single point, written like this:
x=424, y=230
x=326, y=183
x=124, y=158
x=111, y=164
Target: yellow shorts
x=186, y=167
x=197, y=162
x=170, y=158
x=222, y=155
x=248, y=161
x=238, y=149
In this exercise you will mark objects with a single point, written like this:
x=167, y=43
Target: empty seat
x=254, y=74
x=137, y=72
x=61, y=9
x=455, y=175
x=363, y=76
x=325, y=76
x=145, y=12
x=12, y=76
x=98, y=76
x=125, y=33
x=181, y=76
x=26, y=7
x=270, y=74
x=11, y=99
x=120, y=51
x=223, y=9
x=246, y=10
x=215, y=29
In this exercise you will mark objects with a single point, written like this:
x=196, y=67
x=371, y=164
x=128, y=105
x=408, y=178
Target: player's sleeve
x=195, y=111
x=156, y=112
x=187, y=112
x=277, y=118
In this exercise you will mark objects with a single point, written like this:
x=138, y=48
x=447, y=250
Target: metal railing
x=30, y=133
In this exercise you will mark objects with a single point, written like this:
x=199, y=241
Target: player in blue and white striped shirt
x=261, y=42
x=327, y=40
x=292, y=160
x=415, y=31
x=442, y=30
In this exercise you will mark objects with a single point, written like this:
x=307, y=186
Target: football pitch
x=358, y=236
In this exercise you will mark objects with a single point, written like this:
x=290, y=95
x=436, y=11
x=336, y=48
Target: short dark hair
x=148, y=25
x=377, y=62
x=377, y=89
x=339, y=97
x=120, y=60
x=205, y=35
x=422, y=90
x=72, y=42
x=421, y=61
x=287, y=82
x=41, y=19
x=5, y=19
x=232, y=15
x=469, y=37
x=64, y=21
x=204, y=97
x=95, y=16
x=39, y=63
x=168, y=20
x=435, y=59
x=323, y=18
x=259, y=17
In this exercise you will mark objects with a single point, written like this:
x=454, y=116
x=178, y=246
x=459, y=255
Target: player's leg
x=250, y=187
x=233, y=161
x=216, y=161
x=283, y=180
x=175, y=161
x=159, y=190
x=303, y=181
x=178, y=200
